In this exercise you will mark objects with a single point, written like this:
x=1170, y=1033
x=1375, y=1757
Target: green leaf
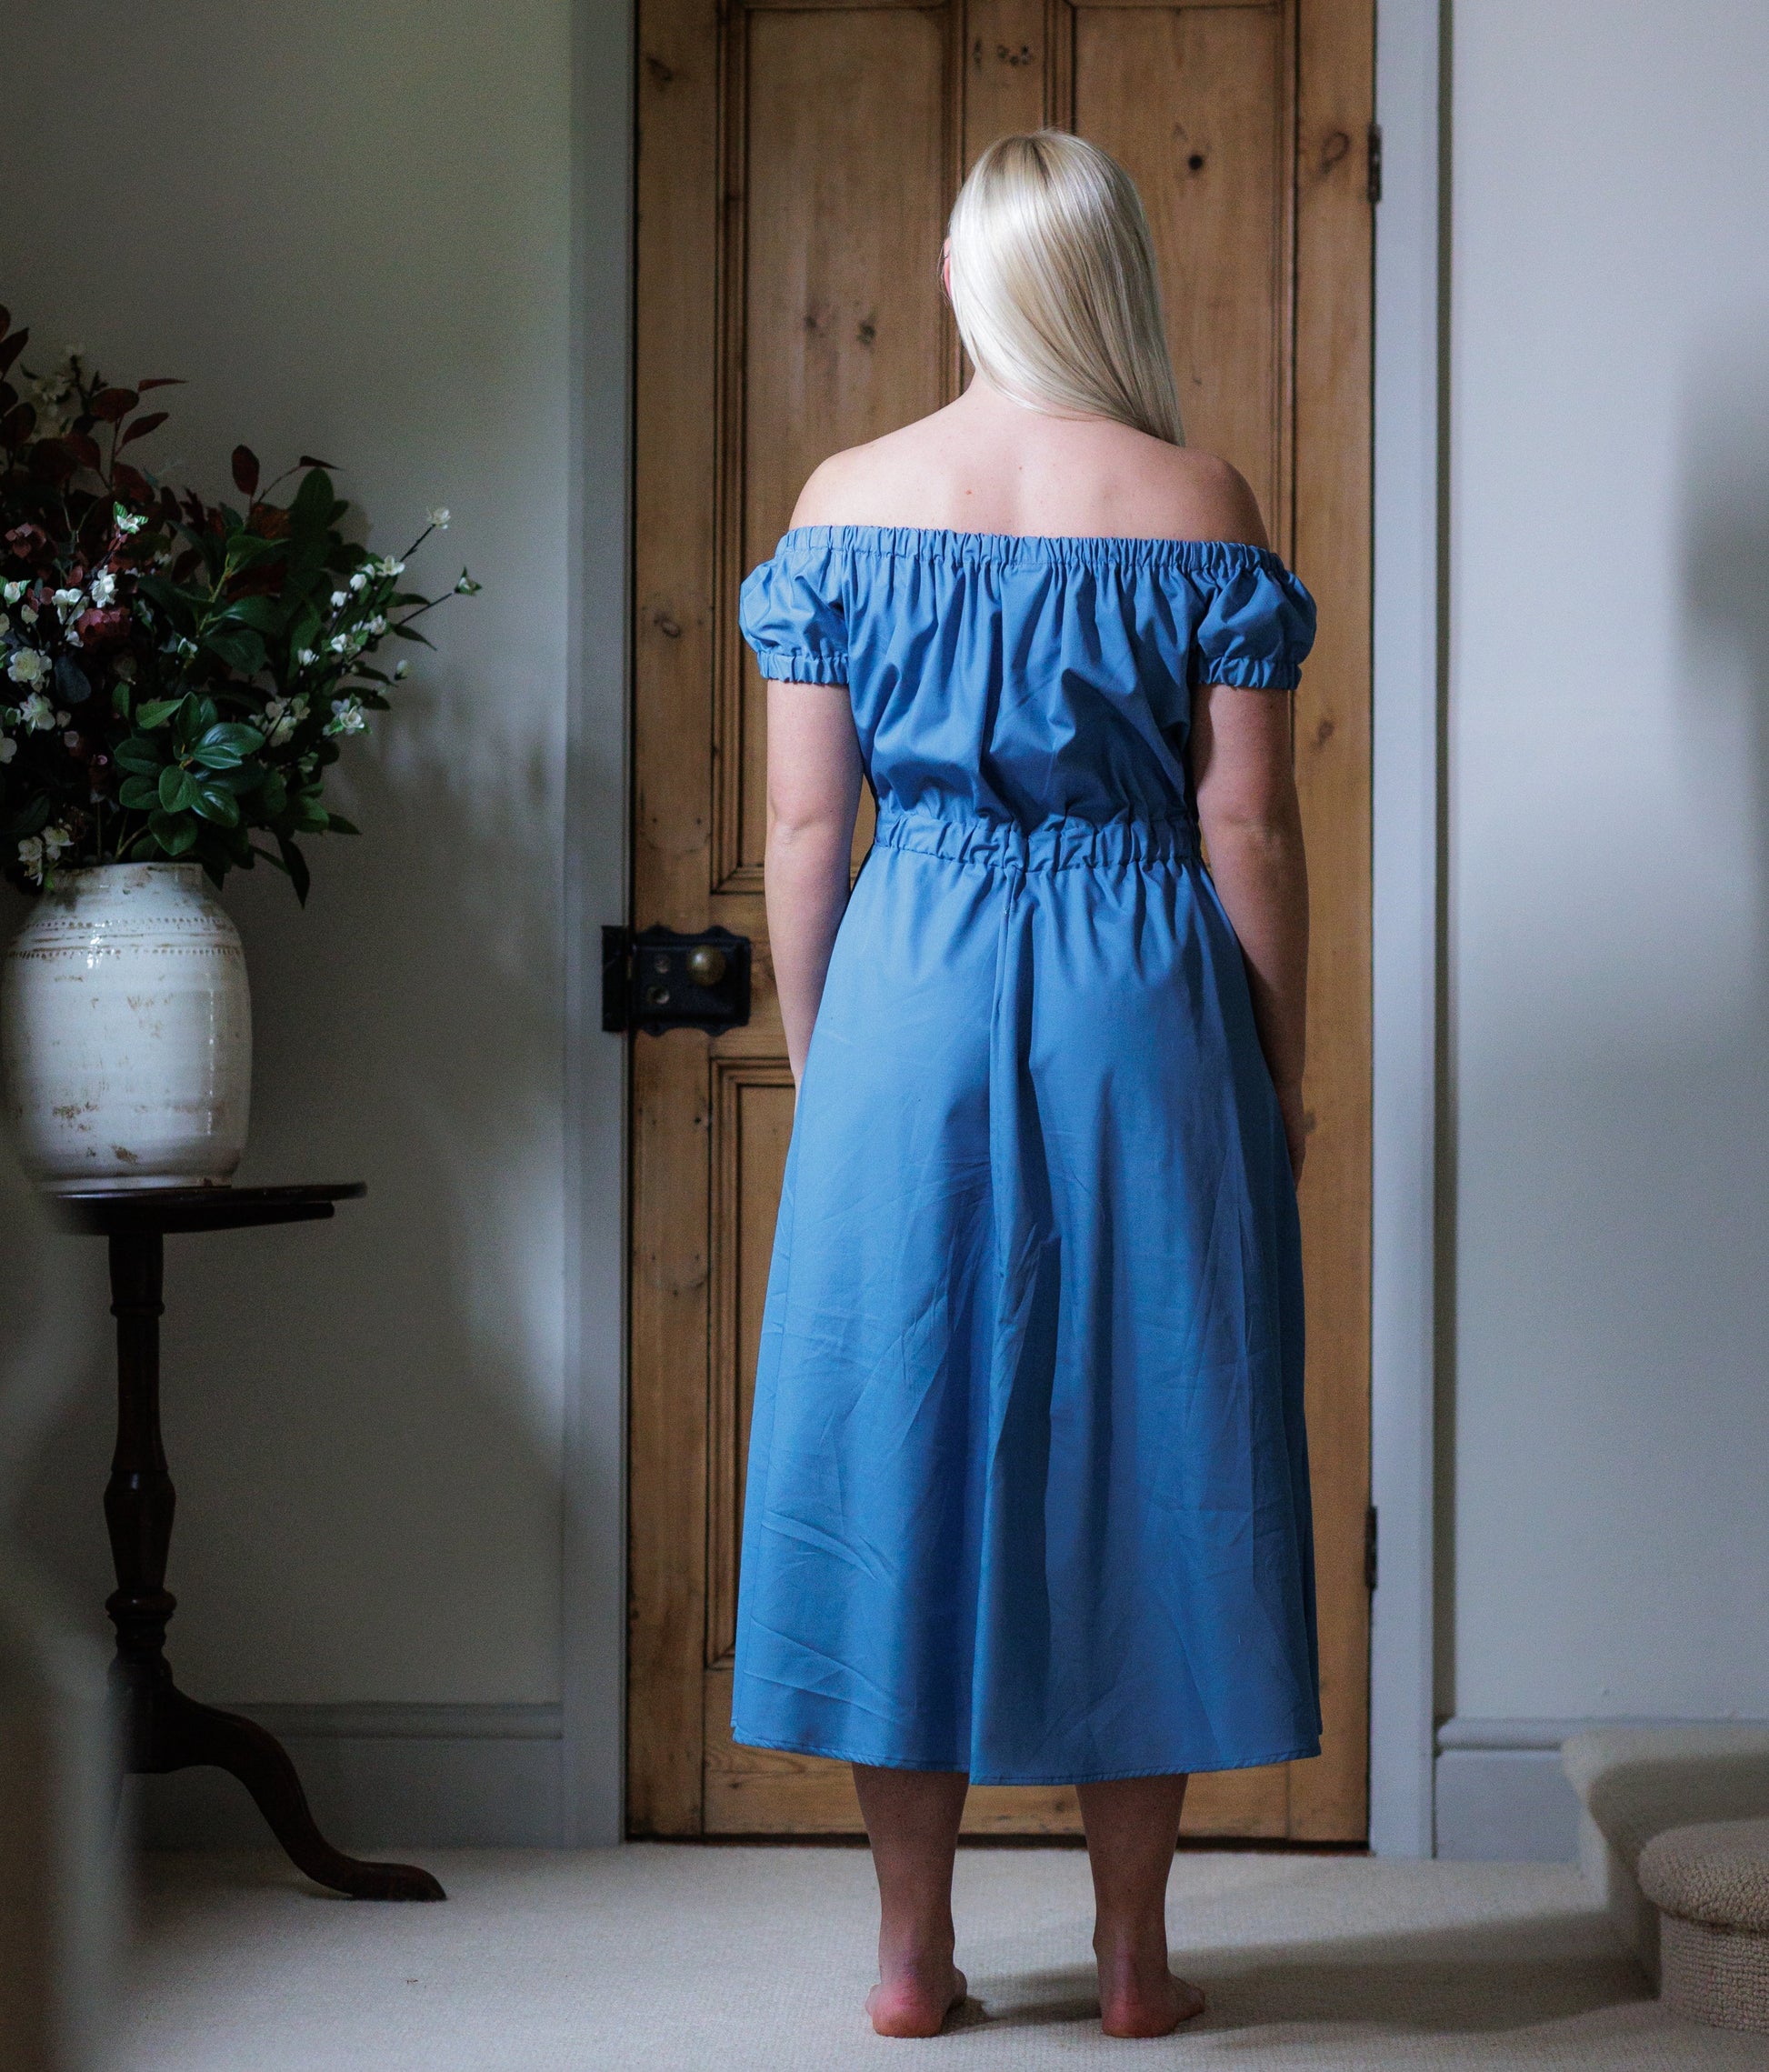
x=137, y=753
x=411, y=633
x=137, y=794
x=178, y=605
x=276, y=797
x=238, y=646
x=215, y=803
x=174, y=836
x=241, y=779
x=31, y=819
x=295, y=864
x=311, y=511
x=264, y=614
x=245, y=548
x=177, y=789
x=234, y=736
x=336, y=824
x=156, y=712
x=310, y=816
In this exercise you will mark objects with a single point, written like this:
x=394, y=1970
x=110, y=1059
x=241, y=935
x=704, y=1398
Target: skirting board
x=1501, y=1794
x=381, y=1776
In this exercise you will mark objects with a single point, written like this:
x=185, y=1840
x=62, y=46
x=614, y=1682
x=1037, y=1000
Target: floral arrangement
x=175, y=676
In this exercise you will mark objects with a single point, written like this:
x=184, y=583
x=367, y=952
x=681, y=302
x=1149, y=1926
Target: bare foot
x=1144, y=1999
x=912, y=2002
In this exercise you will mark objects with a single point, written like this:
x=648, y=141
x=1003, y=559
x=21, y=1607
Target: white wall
x=1610, y=859
x=351, y=229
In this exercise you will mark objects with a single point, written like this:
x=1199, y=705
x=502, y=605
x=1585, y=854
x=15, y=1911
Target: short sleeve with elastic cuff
x=1257, y=628
x=791, y=612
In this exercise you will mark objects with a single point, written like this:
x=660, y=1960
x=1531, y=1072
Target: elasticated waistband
x=1066, y=843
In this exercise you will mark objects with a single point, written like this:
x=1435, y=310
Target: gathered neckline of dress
x=1084, y=547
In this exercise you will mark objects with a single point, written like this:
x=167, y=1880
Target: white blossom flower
x=27, y=666
x=466, y=586
x=439, y=517
x=68, y=601
x=103, y=587
x=29, y=613
x=71, y=736
x=37, y=712
x=389, y=566
x=377, y=626
x=401, y=670
x=128, y=521
x=38, y=852
x=348, y=717
x=306, y=659
x=359, y=580
x=8, y=749
x=339, y=643
x=284, y=715
x=340, y=598
x=12, y=592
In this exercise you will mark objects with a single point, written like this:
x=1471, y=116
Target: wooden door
x=797, y=160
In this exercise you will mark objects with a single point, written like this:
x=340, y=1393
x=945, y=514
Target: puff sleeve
x=1257, y=628
x=791, y=614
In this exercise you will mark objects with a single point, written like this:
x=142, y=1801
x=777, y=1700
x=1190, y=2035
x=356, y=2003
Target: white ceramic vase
x=126, y=1032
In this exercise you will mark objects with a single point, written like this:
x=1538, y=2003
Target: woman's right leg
x=912, y=1818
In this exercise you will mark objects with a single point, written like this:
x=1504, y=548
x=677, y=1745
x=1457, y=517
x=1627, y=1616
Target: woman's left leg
x=1133, y=1825
x=912, y=1818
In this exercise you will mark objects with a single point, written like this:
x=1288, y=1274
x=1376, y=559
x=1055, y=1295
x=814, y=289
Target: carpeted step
x=1636, y=1783
x=1710, y=1883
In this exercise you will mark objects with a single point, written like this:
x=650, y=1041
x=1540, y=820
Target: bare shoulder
x=868, y=484
x=1203, y=497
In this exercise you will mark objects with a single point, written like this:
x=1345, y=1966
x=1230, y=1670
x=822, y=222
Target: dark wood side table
x=164, y=1730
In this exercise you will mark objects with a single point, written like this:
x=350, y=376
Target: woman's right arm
x=814, y=796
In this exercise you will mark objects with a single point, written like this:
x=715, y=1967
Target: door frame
x=1408, y=1288
x=1409, y=1282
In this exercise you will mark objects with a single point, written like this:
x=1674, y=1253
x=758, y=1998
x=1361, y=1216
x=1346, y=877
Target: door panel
x=834, y=337
x=1209, y=157
x=796, y=164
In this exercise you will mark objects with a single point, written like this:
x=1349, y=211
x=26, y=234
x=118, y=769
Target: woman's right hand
x=1295, y=1125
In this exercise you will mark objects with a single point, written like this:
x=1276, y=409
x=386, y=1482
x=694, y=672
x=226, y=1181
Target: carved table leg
x=164, y=1730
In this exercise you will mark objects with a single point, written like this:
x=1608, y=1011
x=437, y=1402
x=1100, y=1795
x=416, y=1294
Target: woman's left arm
x=1246, y=785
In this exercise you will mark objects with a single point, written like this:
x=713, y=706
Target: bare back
x=985, y=464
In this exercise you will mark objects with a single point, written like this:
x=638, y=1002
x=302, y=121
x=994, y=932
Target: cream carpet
x=745, y=1959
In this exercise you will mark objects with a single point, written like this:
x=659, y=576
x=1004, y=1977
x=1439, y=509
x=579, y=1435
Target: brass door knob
x=706, y=964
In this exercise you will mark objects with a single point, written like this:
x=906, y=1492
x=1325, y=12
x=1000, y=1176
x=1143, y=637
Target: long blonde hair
x=1051, y=277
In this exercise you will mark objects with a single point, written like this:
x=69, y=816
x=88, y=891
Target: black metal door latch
x=660, y=979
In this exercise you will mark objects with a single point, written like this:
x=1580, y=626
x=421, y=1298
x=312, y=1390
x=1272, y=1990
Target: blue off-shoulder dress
x=1028, y=1486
